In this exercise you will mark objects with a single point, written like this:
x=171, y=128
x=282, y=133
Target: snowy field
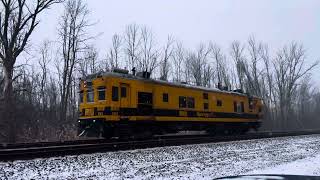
x=289, y=155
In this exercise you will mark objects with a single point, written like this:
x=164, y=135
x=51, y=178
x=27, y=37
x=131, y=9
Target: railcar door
x=145, y=105
x=124, y=95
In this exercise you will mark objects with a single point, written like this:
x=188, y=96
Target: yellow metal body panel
x=134, y=86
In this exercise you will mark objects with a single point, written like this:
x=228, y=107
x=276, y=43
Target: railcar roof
x=176, y=84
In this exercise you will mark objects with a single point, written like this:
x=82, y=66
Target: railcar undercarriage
x=125, y=129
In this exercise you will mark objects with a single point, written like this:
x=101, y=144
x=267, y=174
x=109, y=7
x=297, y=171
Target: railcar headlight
x=94, y=121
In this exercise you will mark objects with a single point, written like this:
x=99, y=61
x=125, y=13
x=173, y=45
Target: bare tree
x=164, y=63
x=268, y=94
x=92, y=57
x=289, y=67
x=265, y=56
x=73, y=38
x=149, y=53
x=132, y=44
x=18, y=19
x=44, y=62
x=207, y=75
x=178, y=61
x=115, y=51
x=304, y=104
x=253, y=73
x=237, y=55
x=198, y=64
x=221, y=70
x=315, y=98
x=90, y=63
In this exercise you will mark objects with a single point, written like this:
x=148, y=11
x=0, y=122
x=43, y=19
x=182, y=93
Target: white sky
x=275, y=22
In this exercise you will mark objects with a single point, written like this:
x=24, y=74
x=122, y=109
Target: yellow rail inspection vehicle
x=129, y=105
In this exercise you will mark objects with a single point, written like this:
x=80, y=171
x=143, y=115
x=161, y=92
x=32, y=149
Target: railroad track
x=54, y=149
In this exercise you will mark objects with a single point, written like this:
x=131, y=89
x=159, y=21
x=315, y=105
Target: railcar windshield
x=90, y=96
x=102, y=93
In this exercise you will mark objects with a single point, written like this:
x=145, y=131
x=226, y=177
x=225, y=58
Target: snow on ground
x=307, y=166
x=204, y=161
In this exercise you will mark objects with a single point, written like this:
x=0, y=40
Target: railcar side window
x=186, y=102
x=250, y=103
x=144, y=98
x=205, y=106
x=165, y=97
x=81, y=97
x=115, y=93
x=102, y=93
x=123, y=92
x=182, y=102
x=90, y=96
x=205, y=96
x=238, y=107
x=88, y=84
x=219, y=103
x=242, y=107
x=190, y=102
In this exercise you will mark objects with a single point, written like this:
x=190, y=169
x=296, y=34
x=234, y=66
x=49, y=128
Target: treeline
x=39, y=98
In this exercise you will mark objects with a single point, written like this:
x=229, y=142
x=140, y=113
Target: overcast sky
x=275, y=22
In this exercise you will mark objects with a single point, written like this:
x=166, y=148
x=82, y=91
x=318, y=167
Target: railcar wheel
x=92, y=133
x=142, y=132
x=211, y=132
x=123, y=131
x=244, y=131
x=107, y=132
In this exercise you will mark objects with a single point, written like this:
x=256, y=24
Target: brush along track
x=54, y=149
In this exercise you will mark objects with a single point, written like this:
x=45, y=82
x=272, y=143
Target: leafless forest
x=39, y=98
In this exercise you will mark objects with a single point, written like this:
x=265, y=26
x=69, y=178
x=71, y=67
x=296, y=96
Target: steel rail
x=12, y=152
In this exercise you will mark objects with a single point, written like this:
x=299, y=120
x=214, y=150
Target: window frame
x=242, y=107
x=219, y=103
x=205, y=96
x=165, y=97
x=182, y=102
x=191, y=102
x=81, y=96
x=102, y=89
x=115, y=93
x=206, y=106
x=90, y=91
x=145, y=98
x=123, y=94
x=251, y=104
x=238, y=107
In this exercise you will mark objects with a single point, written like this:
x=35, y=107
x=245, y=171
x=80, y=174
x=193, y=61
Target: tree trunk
x=9, y=105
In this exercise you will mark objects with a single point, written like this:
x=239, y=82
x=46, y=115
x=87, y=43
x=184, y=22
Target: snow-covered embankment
x=205, y=161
